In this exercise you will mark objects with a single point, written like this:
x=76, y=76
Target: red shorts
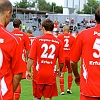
x=48, y=91
x=82, y=97
x=24, y=75
x=67, y=65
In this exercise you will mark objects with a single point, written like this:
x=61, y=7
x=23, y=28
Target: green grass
x=27, y=91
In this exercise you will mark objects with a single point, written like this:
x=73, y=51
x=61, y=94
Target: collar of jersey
x=98, y=26
x=47, y=34
x=16, y=30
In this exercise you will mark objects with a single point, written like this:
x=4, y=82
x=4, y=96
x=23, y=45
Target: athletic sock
x=70, y=79
x=62, y=83
x=17, y=92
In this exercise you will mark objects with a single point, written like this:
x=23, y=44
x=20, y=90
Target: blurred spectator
x=39, y=21
x=67, y=21
x=23, y=28
x=72, y=21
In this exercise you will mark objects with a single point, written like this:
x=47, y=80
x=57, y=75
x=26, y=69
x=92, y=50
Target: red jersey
x=31, y=37
x=87, y=45
x=72, y=20
x=45, y=50
x=55, y=24
x=67, y=41
x=24, y=41
x=9, y=62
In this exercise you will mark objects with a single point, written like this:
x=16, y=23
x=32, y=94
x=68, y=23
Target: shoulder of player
x=10, y=35
x=61, y=35
x=85, y=31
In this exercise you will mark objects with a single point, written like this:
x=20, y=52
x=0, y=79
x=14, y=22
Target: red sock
x=62, y=83
x=70, y=79
x=17, y=92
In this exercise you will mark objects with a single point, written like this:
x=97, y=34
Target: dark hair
x=16, y=23
x=5, y=5
x=97, y=15
x=48, y=25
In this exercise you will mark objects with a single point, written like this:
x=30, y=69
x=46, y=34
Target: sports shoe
x=62, y=93
x=69, y=91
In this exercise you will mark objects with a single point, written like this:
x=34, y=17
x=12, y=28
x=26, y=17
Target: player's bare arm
x=27, y=53
x=75, y=71
x=16, y=80
x=61, y=67
x=29, y=64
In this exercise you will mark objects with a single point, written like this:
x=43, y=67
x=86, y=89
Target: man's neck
x=47, y=32
x=16, y=29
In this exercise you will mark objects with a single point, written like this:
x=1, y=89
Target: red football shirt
x=24, y=41
x=31, y=37
x=67, y=41
x=55, y=24
x=9, y=62
x=87, y=46
x=45, y=50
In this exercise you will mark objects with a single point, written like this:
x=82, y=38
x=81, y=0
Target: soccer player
x=10, y=68
x=87, y=46
x=43, y=54
x=31, y=36
x=25, y=44
x=67, y=41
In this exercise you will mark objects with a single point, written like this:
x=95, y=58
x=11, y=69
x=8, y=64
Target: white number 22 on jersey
x=46, y=48
x=96, y=46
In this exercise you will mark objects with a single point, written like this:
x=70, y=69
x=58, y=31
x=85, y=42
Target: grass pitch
x=27, y=91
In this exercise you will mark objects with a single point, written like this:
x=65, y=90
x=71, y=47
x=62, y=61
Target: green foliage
x=21, y=4
x=91, y=6
x=42, y=5
x=58, y=9
x=80, y=12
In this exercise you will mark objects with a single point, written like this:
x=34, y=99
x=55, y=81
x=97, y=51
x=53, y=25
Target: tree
x=57, y=9
x=42, y=5
x=80, y=12
x=21, y=4
x=91, y=6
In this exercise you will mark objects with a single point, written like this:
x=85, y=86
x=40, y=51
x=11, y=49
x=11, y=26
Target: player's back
x=48, y=49
x=90, y=40
x=67, y=41
x=7, y=43
x=8, y=50
x=31, y=37
x=87, y=45
x=23, y=37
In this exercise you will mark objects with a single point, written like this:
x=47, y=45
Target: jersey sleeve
x=61, y=54
x=27, y=43
x=76, y=49
x=60, y=37
x=16, y=64
x=72, y=40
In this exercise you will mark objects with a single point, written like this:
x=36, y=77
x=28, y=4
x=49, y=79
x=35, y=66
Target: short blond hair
x=29, y=31
x=66, y=28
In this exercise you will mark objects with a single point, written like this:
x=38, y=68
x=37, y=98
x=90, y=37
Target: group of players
x=36, y=59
